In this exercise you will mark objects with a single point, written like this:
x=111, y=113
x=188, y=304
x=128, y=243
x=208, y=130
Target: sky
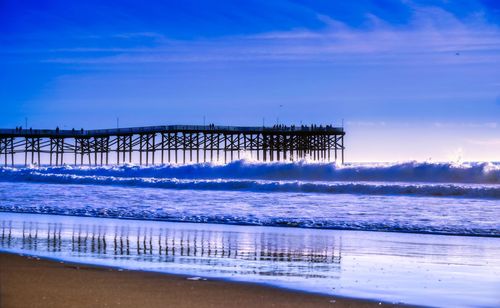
x=410, y=80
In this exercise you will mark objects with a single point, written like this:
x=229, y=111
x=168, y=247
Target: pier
x=170, y=144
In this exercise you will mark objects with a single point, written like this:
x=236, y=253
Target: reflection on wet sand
x=209, y=250
x=397, y=267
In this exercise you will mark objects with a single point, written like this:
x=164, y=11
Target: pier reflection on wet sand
x=395, y=267
x=205, y=250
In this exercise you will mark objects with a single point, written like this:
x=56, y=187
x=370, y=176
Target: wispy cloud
x=366, y=123
x=491, y=125
x=444, y=124
x=485, y=142
x=434, y=36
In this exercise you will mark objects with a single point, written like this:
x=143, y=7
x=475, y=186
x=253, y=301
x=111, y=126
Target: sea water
x=240, y=210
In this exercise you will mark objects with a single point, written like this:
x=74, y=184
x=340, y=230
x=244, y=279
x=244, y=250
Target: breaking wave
x=426, y=172
x=276, y=194
x=423, y=172
x=89, y=176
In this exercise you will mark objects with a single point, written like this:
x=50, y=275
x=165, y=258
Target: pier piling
x=279, y=143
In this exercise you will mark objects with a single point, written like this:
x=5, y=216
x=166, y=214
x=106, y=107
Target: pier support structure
x=170, y=144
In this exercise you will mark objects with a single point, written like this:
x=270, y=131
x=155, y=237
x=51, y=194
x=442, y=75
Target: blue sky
x=411, y=79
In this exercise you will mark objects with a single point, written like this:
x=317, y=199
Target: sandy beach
x=32, y=282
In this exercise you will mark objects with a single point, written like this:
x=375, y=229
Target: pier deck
x=171, y=143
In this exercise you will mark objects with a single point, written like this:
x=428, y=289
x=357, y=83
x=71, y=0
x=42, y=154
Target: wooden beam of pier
x=146, y=144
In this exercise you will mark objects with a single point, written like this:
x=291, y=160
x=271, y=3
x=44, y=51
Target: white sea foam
x=436, y=180
x=410, y=197
x=426, y=172
x=402, y=213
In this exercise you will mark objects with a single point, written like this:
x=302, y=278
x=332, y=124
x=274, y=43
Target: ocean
x=390, y=232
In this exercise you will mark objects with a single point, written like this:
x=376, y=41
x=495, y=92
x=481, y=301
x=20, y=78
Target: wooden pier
x=170, y=144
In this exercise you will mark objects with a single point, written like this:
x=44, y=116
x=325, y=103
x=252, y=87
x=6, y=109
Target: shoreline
x=261, y=226
x=38, y=282
x=387, y=268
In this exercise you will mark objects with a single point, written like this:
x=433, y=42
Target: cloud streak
x=433, y=37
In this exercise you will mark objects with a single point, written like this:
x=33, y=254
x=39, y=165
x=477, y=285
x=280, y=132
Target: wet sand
x=31, y=282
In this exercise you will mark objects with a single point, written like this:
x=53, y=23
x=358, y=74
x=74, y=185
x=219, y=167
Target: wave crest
x=362, y=188
x=425, y=172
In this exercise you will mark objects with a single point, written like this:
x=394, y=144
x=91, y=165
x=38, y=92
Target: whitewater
x=419, y=197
